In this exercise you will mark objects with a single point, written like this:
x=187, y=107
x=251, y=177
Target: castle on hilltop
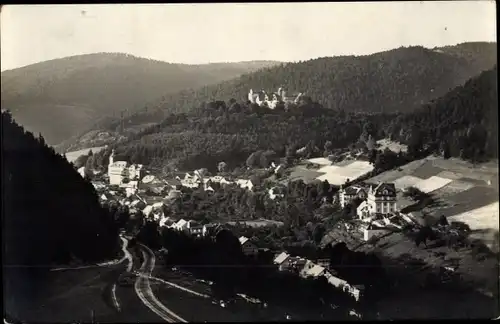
x=271, y=100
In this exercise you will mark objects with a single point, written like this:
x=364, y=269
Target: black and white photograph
x=249, y=162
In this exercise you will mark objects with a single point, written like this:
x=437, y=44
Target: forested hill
x=51, y=215
x=397, y=80
x=463, y=123
x=61, y=97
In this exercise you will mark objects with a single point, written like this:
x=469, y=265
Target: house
x=181, y=225
x=130, y=191
x=382, y=199
x=303, y=266
x=120, y=170
x=245, y=184
x=147, y=210
x=192, y=182
x=315, y=271
x=81, y=171
x=280, y=258
x=363, y=210
x=211, y=229
x=218, y=179
x=346, y=195
x=276, y=192
x=166, y=221
x=98, y=185
x=248, y=247
x=197, y=230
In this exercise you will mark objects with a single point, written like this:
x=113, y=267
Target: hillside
x=50, y=215
x=61, y=97
x=396, y=80
x=462, y=124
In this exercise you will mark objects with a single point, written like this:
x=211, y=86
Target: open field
x=454, y=187
x=458, y=186
x=431, y=184
x=300, y=172
x=320, y=161
x=72, y=156
x=484, y=224
x=406, y=181
x=335, y=174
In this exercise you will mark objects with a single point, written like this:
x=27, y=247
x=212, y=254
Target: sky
x=224, y=32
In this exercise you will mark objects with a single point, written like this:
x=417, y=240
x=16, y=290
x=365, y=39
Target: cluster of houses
x=376, y=208
x=141, y=191
x=375, y=199
x=309, y=269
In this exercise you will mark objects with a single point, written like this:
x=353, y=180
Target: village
x=375, y=209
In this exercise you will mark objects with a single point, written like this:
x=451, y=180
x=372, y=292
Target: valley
x=249, y=162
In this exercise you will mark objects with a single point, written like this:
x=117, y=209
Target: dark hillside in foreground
x=51, y=215
x=397, y=80
x=61, y=97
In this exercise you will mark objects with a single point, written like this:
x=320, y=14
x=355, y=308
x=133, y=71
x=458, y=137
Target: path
x=144, y=292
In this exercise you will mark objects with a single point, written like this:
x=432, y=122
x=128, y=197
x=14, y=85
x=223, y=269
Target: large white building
x=118, y=171
x=381, y=199
x=272, y=100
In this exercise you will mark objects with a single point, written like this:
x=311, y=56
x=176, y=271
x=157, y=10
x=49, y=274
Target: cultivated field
x=320, y=161
x=335, y=174
x=300, y=172
x=483, y=222
x=458, y=187
x=432, y=183
x=406, y=181
x=72, y=156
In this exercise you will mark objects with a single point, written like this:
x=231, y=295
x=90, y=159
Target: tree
x=370, y=143
x=328, y=146
x=254, y=159
x=222, y=166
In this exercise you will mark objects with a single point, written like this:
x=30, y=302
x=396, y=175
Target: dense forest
x=460, y=124
x=463, y=123
x=397, y=80
x=51, y=215
x=62, y=97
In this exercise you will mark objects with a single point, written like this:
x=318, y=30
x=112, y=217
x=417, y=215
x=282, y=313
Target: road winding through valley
x=144, y=292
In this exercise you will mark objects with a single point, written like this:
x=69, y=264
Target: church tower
x=111, y=157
